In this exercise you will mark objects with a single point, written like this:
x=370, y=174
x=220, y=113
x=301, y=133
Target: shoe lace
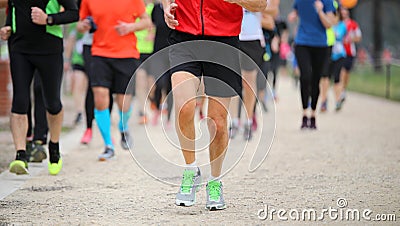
x=214, y=190
x=187, y=181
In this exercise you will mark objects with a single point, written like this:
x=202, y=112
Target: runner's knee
x=54, y=107
x=20, y=104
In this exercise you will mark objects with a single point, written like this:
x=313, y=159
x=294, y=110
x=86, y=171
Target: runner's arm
x=69, y=15
x=327, y=18
x=169, y=13
x=268, y=15
x=124, y=28
x=292, y=16
x=83, y=24
x=251, y=5
x=143, y=23
x=358, y=35
x=272, y=8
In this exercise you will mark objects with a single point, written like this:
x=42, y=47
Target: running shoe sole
x=186, y=203
x=18, y=167
x=215, y=207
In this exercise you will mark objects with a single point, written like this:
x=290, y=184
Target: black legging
x=89, y=101
x=40, y=129
x=335, y=68
x=311, y=61
x=50, y=68
x=273, y=68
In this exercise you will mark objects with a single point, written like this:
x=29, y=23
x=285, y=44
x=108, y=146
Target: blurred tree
x=377, y=34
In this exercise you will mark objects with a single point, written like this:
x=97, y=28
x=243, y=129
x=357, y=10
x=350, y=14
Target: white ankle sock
x=235, y=122
x=249, y=122
x=212, y=178
x=192, y=166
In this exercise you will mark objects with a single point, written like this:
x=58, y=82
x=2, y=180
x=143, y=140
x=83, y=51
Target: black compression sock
x=21, y=155
x=54, y=151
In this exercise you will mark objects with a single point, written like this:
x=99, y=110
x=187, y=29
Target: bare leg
x=249, y=88
x=234, y=107
x=338, y=91
x=184, y=86
x=324, y=88
x=312, y=113
x=344, y=78
x=124, y=102
x=217, y=126
x=19, y=127
x=101, y=98
x=79, y=90
x=55, y=125
x=141, y=89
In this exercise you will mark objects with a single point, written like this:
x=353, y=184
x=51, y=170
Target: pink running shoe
x=87, y=136
x=254, y=125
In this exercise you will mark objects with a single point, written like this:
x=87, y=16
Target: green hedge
x=364, y=80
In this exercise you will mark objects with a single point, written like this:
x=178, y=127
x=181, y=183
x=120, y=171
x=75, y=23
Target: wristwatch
x=49, y=20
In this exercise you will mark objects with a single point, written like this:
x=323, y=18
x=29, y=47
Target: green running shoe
x=215, y=197
x=191, y=181
x=55, y=168
x=19, y=167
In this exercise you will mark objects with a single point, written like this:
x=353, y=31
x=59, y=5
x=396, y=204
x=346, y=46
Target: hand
x=38, y=16
x=124, y=28
x=150, y=37
x=233, y=1
x=169, y=15
x=5, y=32
x=319, y=6
x=292, y=17
x=83, y=26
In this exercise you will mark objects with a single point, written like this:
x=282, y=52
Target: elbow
x=75, y=16
x=149, y=23
x=328, y=25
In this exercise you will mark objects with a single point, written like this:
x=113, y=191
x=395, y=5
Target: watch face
x=49, y=20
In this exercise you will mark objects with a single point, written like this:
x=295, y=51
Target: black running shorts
x=113, y=73
x=218, y=64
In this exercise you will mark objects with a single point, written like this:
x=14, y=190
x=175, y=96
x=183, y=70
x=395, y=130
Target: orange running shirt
x=106, y=14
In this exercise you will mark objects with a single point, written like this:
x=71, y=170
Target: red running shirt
x=106, y=14
x=353, y=30
x=209, y=17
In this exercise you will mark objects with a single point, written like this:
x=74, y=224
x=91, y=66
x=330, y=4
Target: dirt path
x=354, y=155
